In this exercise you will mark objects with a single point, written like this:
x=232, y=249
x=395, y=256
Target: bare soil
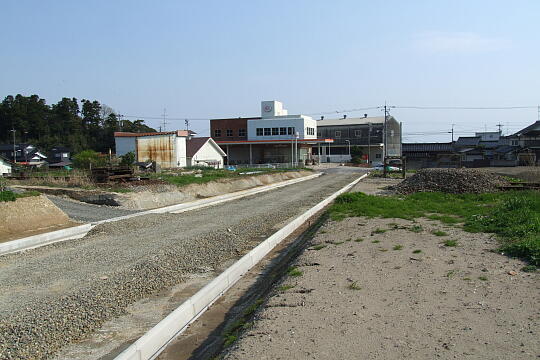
x=369, y=294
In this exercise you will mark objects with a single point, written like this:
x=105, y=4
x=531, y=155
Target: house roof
x=505, y=149
x=193, y=145
x=467, y=141
x=60, y=149
x=352, y=121
x=489, y=144
x=531, y=130
x=176, y=132
x=427, y=147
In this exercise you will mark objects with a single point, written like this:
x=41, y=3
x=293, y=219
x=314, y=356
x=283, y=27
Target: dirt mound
x=454, y=181
x=30, y=216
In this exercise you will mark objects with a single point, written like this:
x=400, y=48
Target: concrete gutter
x=151, y=344
x=80, y=231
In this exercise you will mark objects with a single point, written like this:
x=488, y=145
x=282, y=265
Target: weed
x=322, y=232
x=293, y=271
x=229, y=340
x=319, y=247
x=529, y=268
x=483, y=278
x=383, y=250
x=359, y=240
x=416, y=228
x=514, y=216
x=251, y=309
x=467, y=278
x=439, y=233
x=284, y=288
x=450, y=273
x=354, y=286
x=397, y=247
x=337, y=242
x=450, y=243
x=349, y=239
x=376, y=241
x=417, y=251
x=379, y=231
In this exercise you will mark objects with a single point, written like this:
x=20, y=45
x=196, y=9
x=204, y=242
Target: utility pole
x=369, y=144
x=452, y=132
x=14, y=151
x=500, y=128
x=384, y=134
x=164, y=119
x=187, y=125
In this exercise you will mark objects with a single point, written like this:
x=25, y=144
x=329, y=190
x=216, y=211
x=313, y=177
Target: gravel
x=455, y=181
x=84, y=212
x=54, y=295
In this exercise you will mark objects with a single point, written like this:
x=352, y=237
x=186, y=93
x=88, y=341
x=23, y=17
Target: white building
x=5, y=167
x=170, y=149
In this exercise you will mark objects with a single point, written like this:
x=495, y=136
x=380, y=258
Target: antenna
x=187, y=124
x=500, y=128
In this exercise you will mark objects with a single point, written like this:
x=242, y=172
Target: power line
x=465, y=107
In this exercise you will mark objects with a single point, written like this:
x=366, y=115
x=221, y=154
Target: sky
x=211, y=59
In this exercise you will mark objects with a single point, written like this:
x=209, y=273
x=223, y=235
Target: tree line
x=77, y=125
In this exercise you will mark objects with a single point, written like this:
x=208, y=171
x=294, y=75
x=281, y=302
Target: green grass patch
x=450, y=273
x=417, y=251
x=450, y=243
x=416, y=228
x=379, y=231
x=397, y=247
x=293, y=271
x=376, y=241
x=11, y=196
x=251, y=309
x=483, y=278
x=514, y=216
x=358, y=240
x=354, y=286
x=439, y=233
x=284, y=288
x=319, y=247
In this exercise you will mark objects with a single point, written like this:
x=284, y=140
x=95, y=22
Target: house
x=368, y=133
x=204, y=151
x=528, y=139
x=60, y=154
x=5, y=166
x=273, y=137
x=430, y=155
x=169, y=149
x=25, y=154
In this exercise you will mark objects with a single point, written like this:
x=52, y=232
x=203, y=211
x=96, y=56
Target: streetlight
x=349, y=143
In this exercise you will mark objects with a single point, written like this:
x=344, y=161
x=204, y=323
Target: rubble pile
x=454, y=181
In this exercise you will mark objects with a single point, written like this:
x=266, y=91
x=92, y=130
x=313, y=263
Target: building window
x=290, y=131
x=267, y=131
x=378, y=156
x=515, y=142
x=282, y=131
x=319, y=135
x=358, y=133
x=337, y=134
x=217, y=133
x=229, y=132
x=259, y=131
x=242, y=132
x=275, y=131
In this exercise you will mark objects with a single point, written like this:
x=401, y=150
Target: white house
x=204, y=151
x=5, y=167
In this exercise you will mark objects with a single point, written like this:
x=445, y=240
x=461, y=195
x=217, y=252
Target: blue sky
x=203, y=59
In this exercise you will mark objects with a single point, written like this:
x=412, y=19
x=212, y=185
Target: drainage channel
x=154, y=342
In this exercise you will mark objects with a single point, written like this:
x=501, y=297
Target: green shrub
x=7, y=196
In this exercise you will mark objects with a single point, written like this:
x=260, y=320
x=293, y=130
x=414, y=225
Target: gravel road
x=87, y=212
x=53, y=295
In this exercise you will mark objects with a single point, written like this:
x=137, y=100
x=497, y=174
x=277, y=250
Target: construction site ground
x=62, y=293
x=374, y=289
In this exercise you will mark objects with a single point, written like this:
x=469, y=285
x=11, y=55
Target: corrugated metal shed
x=157, y=148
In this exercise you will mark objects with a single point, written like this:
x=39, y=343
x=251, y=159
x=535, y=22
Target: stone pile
x=454, y=181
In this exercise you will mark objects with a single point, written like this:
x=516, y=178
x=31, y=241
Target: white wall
x=299, y=122
x=5, y=168
x=180, y=151
x=124, y=144
x=208, y=152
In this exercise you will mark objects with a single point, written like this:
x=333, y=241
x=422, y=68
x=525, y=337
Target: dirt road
x=56, y=294
x=381, y=289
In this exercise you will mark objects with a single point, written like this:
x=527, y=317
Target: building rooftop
x=427, y=147
x=176, y=132
x=467, y=141
x=531, y=130
x=352, y=121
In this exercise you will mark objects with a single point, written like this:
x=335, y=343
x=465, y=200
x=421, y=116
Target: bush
x=87, y=159
x=128, y=159
x=7, y=196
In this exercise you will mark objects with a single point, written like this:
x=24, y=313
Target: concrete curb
x=151, y=344
x=80, y=231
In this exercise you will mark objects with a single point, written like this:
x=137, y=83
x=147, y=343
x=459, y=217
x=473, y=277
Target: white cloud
x=459, y=42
